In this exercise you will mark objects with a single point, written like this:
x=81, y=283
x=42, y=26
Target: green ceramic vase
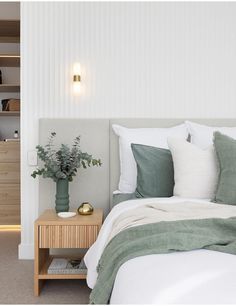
x=62, y=195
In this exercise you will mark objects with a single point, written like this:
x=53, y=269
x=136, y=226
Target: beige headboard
x=97, y=137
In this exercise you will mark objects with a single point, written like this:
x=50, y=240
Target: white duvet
x=196, y=277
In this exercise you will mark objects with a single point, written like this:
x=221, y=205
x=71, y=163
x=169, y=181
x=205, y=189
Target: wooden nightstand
x=52, y=231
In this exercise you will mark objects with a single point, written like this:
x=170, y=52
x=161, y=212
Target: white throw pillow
x=202, y=135
x=156, y=137
x=195, y=169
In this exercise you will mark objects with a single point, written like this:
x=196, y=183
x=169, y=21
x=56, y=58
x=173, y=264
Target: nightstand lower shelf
x=43, y=274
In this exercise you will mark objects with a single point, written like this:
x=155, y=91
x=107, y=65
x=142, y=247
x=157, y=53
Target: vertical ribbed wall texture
x=169, y=60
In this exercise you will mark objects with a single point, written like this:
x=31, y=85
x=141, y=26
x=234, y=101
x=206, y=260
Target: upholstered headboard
x=97, y=137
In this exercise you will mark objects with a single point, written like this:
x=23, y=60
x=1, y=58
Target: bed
x=193, y=276
x=172, y=250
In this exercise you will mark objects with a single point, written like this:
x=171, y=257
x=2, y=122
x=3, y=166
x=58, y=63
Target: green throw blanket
x=158, y=238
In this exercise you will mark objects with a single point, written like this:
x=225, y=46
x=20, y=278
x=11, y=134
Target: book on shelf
x=67, y=266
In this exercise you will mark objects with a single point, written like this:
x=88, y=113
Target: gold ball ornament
x=85, y=209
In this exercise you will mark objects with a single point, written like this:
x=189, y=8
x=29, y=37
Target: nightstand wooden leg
x=38, y=285
x=40, y=257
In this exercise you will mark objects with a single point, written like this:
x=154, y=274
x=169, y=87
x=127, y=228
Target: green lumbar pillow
x=155, y=172
x=225, y=148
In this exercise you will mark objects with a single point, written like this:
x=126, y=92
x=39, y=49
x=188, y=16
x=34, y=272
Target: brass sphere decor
x=85, y=209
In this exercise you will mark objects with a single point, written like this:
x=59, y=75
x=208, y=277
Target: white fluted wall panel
x=154, y=59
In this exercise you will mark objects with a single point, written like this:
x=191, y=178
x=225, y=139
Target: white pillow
x=195, y=169
x=202, y=135
x=156, y=137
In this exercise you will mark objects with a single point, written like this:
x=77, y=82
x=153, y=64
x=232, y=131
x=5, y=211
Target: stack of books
x=67, y=266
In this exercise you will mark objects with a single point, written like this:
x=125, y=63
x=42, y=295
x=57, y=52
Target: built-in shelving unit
x=9, y=122
x=9, y=31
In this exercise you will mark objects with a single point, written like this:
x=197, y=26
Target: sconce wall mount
x=76, y=78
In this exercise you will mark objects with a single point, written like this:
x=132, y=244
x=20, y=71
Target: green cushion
x=155, y=172
x=121, y=197
x=225, y=147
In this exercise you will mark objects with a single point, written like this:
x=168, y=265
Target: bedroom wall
x=158, y=59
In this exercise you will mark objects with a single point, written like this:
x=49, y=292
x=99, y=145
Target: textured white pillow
x=202, y=135
x=156, y=137
x=195, y=169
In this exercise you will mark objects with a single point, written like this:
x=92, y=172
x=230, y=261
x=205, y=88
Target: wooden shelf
x=9, y=60
x=9, y=31
x=43, y=274
x=10, y=88
x=9, y=114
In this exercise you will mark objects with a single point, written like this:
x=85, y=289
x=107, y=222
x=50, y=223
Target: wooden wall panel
x=9, y=214
x=9, y=173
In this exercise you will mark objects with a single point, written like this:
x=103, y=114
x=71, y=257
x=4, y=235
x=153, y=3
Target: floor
x=16, y=279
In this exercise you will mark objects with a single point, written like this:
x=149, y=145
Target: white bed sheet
x=195, y=277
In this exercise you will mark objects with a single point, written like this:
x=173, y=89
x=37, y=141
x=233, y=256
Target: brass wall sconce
x=76, y=77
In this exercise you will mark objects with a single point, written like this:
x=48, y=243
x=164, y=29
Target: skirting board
x=25, y=251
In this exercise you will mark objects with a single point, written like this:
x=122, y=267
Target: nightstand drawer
x=67, y=236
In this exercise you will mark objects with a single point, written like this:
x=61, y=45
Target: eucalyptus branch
x=64, y=162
